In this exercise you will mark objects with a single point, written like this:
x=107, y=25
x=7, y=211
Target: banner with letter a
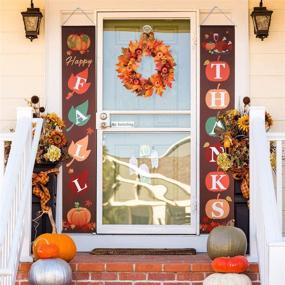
x=79, y=111
x=217, y=94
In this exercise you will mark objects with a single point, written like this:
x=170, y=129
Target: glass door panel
x=146, y=174
x=117, y=35
x=146, y=140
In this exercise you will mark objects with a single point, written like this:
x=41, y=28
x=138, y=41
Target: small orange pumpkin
x=236, y=264
x=78, y=216
x=65, y=244
x=45, y=251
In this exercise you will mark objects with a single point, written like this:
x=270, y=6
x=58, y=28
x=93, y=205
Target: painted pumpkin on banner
x=79, y=43
x=65, y=244
x=227, y=279
x=217, y=71
x=236, y=264
x=226, y=241
x=217, y=181
x=217, y=209
x=217, y=99
x=78, y=216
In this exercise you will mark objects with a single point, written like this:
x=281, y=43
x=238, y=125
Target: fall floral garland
x=130, y=59
x=234, y=137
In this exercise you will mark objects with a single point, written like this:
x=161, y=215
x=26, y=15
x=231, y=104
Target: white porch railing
x=15, y=195
x=7, y=137
x=279, y=139
x=264, y=205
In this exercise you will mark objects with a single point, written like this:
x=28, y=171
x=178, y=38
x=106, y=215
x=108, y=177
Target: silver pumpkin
x=53, y=271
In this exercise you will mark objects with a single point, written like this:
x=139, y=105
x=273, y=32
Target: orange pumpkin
x=45, y=251
x=65, y=244
x=78, y=216
x=236, y=264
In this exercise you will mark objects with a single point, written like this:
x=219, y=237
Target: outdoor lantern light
x=32, y=21
x=261, y=21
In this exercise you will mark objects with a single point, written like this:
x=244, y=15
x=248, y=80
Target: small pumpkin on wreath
x=130, y=60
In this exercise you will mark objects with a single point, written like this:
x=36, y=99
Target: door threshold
x=143, y=251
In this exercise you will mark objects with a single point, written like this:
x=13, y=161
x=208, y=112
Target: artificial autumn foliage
x=233, y=132
x=52, y=144
x=130, y=60
x=236, y=264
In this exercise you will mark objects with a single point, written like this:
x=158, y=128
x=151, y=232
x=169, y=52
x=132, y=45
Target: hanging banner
x=217, y=94
x=79, y=113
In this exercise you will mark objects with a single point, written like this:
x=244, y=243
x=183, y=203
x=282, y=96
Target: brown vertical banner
x=79, y=114
x=217, y=94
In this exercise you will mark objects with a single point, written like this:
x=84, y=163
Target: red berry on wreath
x=164, y=69
x=138, y=51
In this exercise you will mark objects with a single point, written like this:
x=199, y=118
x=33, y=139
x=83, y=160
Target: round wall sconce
x=32, y=21
x=261, y=18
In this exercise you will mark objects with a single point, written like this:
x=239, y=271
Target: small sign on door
x=122, y=124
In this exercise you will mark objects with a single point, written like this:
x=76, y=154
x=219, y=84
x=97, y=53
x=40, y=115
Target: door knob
x=103, y=116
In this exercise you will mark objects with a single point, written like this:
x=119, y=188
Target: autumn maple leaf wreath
x=130, y=60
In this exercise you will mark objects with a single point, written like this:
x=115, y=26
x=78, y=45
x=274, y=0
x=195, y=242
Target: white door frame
x=149, y=229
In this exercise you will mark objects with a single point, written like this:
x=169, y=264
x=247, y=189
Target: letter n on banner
x=78, y=110
x=217, y=87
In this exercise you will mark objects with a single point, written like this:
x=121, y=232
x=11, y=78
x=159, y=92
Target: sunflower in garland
x=57, y=138
x=243, y=123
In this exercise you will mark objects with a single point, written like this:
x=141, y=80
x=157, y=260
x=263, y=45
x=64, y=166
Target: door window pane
x=146, y=178
x=117, y=35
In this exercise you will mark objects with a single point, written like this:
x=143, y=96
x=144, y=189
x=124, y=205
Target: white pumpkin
x=227, y=279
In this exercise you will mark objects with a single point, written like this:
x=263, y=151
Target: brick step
x=139, y=270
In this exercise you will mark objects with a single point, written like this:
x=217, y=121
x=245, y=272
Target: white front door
x=146, y=123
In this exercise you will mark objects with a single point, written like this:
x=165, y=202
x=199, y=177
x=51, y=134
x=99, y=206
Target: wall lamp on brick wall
x=261, y=18
x=32, y=21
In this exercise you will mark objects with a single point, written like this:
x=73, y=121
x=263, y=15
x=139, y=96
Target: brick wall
x=140, y=270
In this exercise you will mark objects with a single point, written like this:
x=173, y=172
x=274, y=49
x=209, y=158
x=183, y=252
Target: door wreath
x=130, y=60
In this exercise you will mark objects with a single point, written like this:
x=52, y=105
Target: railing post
x=26, y=113
x=255, y=113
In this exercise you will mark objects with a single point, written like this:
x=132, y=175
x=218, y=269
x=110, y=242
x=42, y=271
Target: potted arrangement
x=234, y=137
x=52, y=151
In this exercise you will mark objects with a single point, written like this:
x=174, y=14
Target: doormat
x=143, y=251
